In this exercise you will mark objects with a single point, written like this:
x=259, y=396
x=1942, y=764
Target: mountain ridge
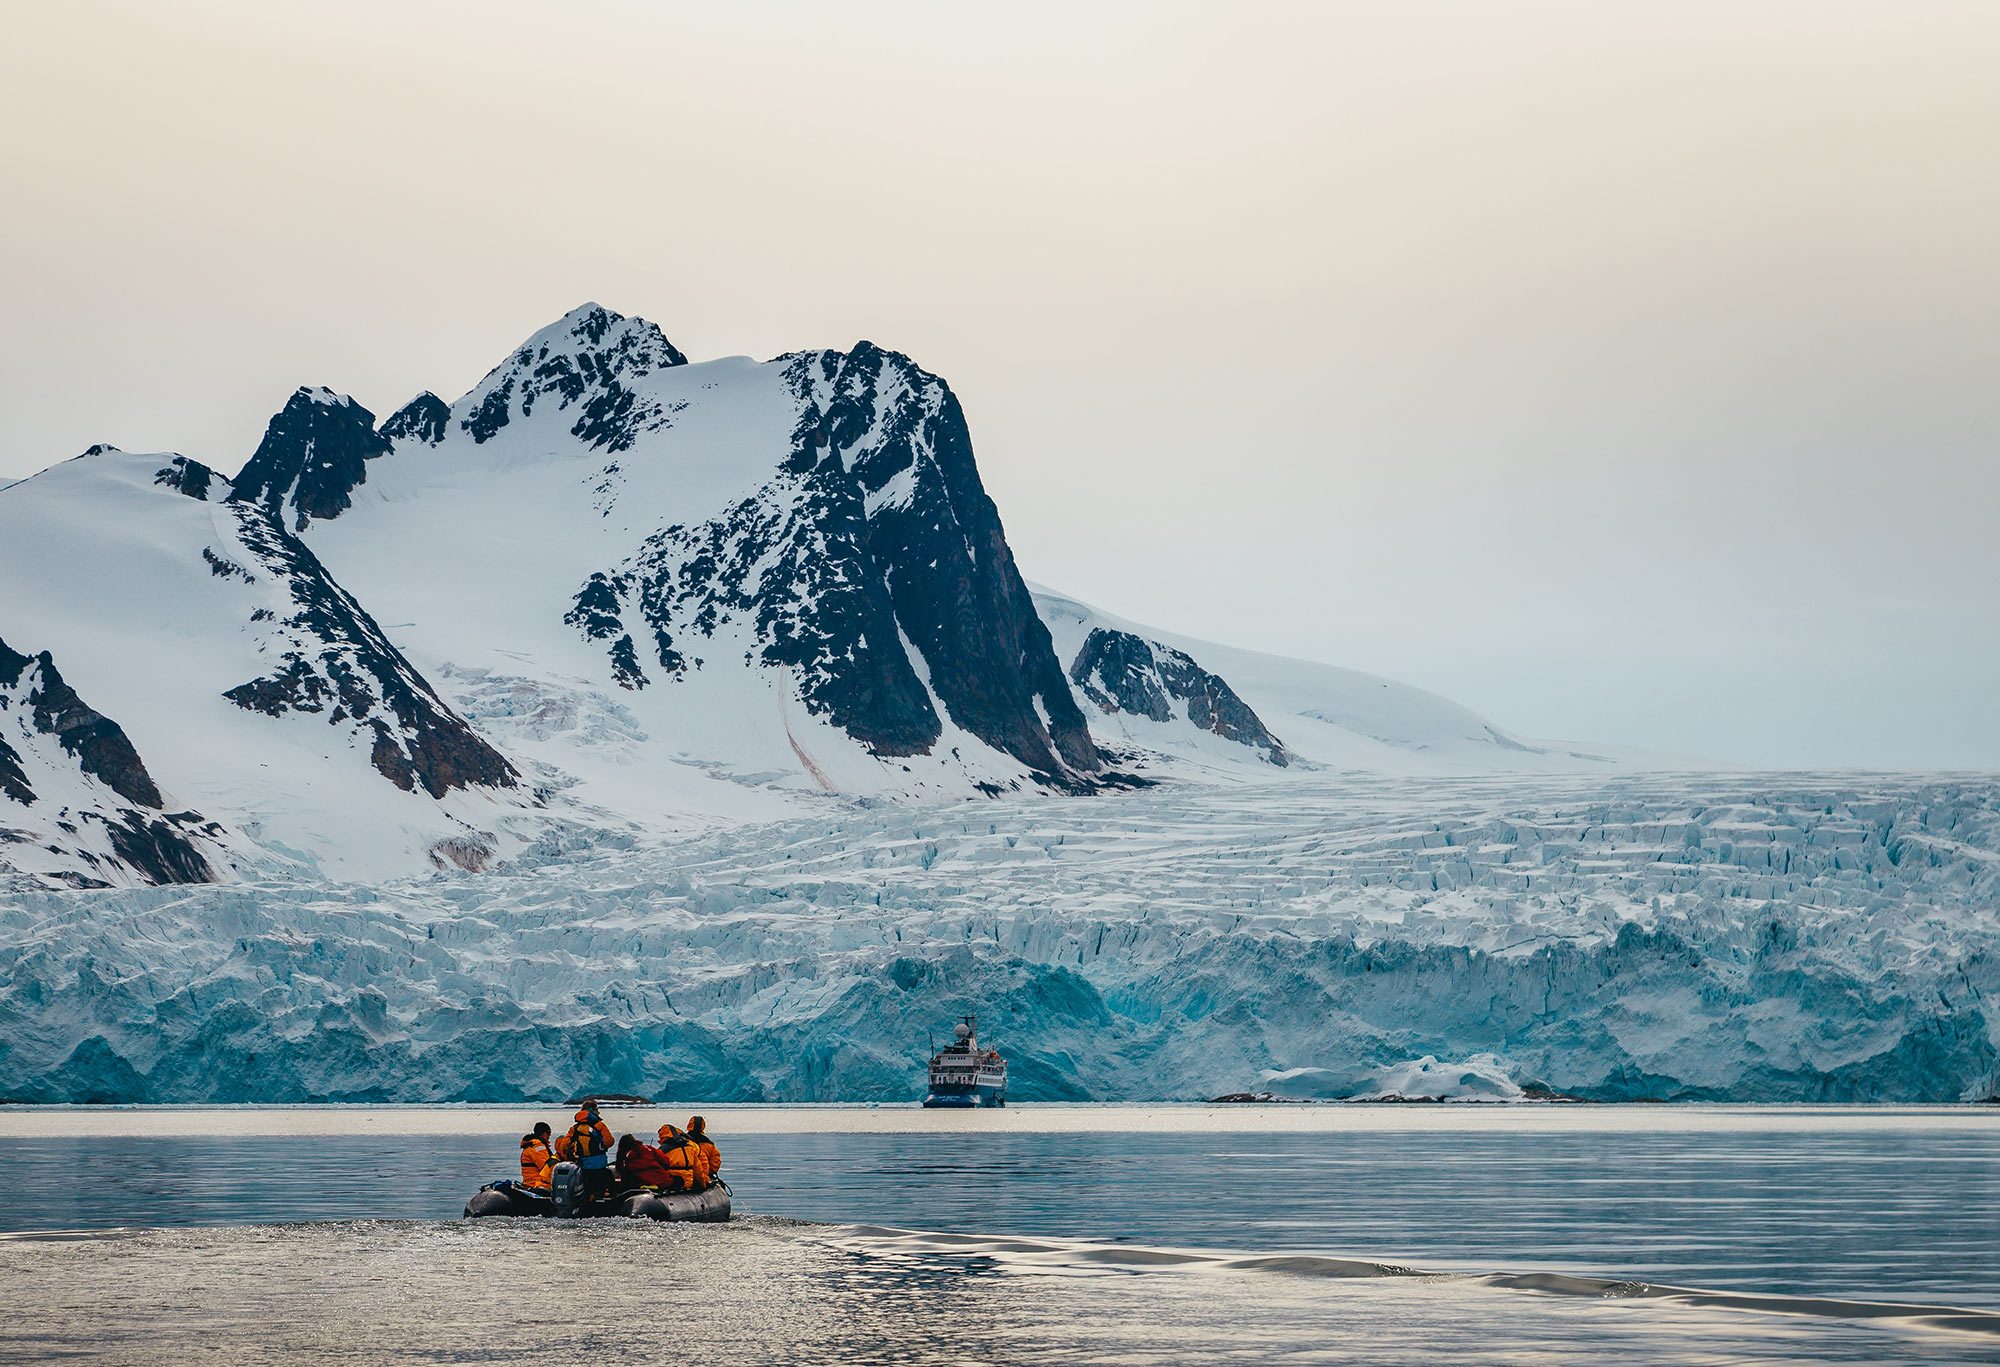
x=1329, y=716
x=608, y=594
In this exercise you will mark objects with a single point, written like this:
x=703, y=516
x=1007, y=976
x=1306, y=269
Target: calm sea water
x=1034, y=1235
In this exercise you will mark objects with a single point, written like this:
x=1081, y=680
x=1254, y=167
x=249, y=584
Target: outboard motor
x=566, y=1188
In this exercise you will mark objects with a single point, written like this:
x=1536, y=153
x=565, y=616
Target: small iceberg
x=1481, y=1077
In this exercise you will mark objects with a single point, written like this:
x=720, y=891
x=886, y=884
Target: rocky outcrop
x=37, y=703
x=315, y=453
x=872, y=565
x=98, y=744
x=1121, y=672
x=586, y=367
x=336, y=662
x=425, y=419
x=192, y=478
x=14, y=785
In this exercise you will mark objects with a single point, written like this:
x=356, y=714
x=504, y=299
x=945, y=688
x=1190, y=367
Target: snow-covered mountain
x=254, y=689
x=687, y=728
x=620, y=593
x=610, y=594
x=784, y=574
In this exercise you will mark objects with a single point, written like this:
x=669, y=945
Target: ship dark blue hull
x=963, y=1099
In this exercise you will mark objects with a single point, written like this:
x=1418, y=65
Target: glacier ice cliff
x=1768, y=937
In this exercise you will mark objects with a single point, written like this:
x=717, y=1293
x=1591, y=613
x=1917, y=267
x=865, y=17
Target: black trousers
x=596, y=1183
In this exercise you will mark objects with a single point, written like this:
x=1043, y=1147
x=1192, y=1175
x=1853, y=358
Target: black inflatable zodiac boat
x=565, y=1201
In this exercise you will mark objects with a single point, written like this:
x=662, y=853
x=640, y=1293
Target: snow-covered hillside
x=82, y=809
x=255, y=690
x=1783, y=938
x=1320, y=714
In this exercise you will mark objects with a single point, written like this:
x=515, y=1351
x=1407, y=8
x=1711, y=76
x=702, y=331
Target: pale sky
x=1627, y=371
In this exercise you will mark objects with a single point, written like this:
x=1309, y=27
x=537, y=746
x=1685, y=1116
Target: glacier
x=686, y=728
x=1792, y=937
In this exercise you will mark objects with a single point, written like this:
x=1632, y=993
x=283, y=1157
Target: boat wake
x=1079, y=1257
x=877, y=1296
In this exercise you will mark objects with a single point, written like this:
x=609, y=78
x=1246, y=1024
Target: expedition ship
x=963, y=1074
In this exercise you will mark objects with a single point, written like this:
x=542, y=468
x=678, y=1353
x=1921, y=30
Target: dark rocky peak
x=331, y=660
x=156, y=846
x=867, y=406
x=425, y=418
x=98, y=744
x=1121, y=672
x=875, y=531
x=192, y=478
x=935, y=537
x=584, y=365
x=14, y=783
x=1117, y=671
x=313, y=456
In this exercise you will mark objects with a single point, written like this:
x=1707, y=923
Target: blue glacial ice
x=1762, y=937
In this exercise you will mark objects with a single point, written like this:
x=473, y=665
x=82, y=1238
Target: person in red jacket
x=642, y=1165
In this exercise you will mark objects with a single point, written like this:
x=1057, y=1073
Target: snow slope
x=255, y=690
x=1325, y=715
x=80, y=806
x=1787, y=937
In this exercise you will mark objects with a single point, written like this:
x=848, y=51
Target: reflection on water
x=1910, y=1214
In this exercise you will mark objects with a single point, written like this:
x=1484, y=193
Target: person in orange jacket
x=537, y=1159
x=711, y=1156
x=588, y=1145
x=683, y=1159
